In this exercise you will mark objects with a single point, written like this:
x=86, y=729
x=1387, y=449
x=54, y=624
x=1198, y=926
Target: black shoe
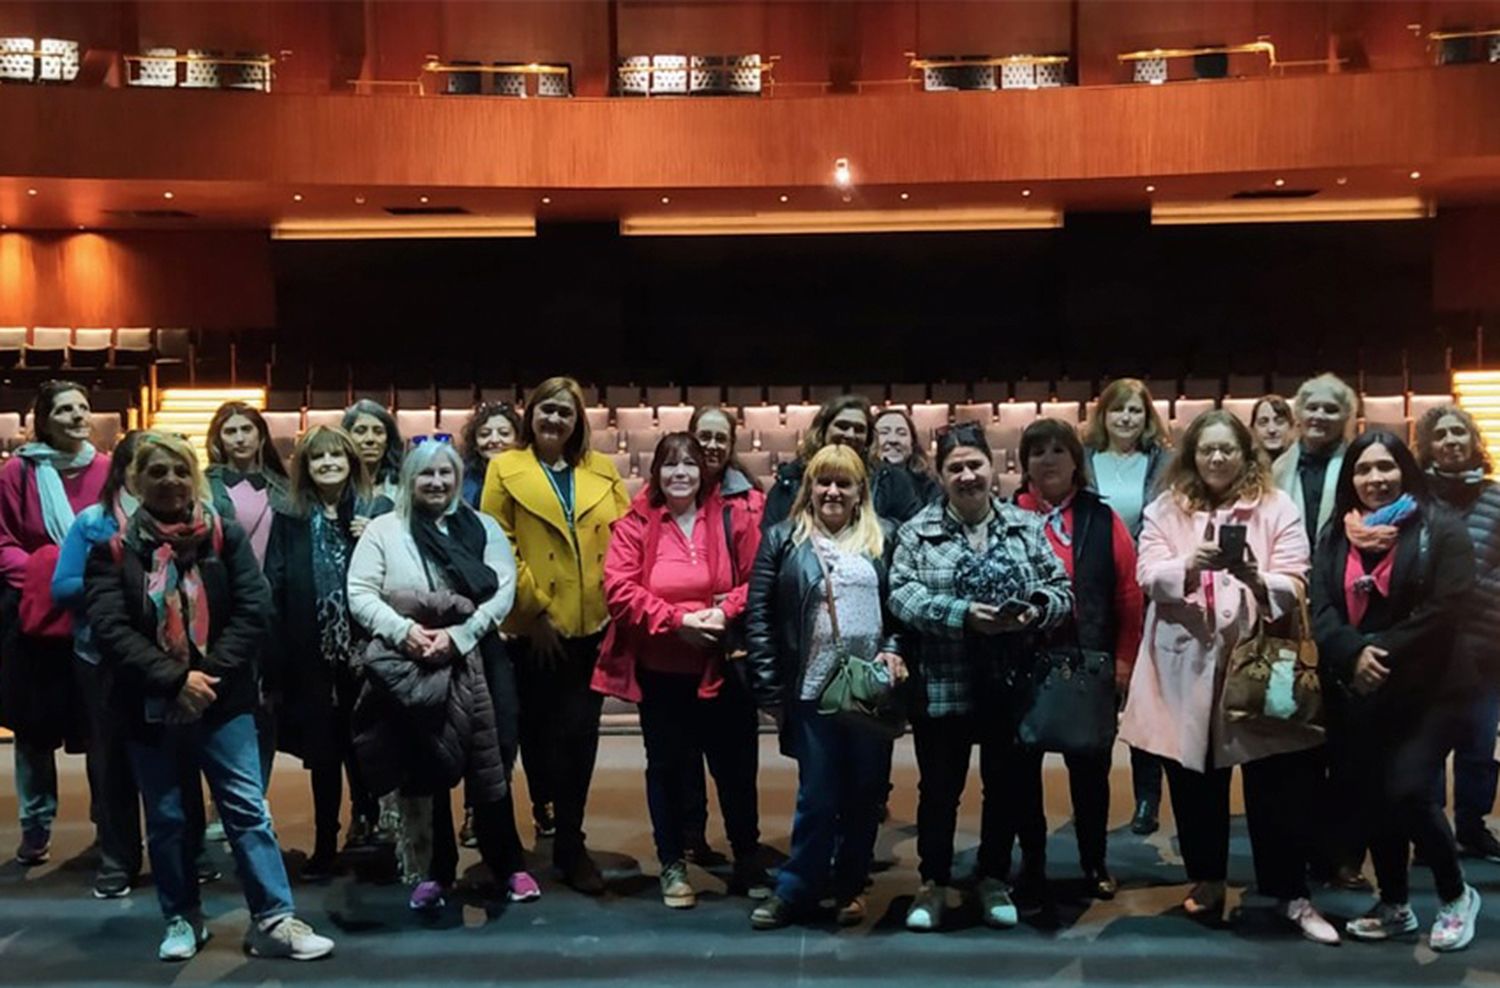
x=1145, y=820
x=111, y=885
x=1100, y=883
x=546, y=826
x=1350, y=879
x=320, y=866
x=772, y=914
x=1031, y=893
x=359, y=834
x=466, y=836
x=751, y=881
x=700, y=852
x=1479, y=844
x=581, y=874
x=208, y=871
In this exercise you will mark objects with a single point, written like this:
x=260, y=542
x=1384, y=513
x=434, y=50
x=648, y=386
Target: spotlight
x=296, y=197
x=841, y=175
x=1025, y=193
x=1416, y=175
x=546, y=200
x=1342, y=180
x=905, y=196
x=783, y=197
x=359, y=200
x=422, y=200
x=1279, y=182
x=31, y=192
x=166, y=195
x=665, y=200
x=1150, y=188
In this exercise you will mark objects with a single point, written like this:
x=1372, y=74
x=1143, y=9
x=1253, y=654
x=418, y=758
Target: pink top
x=22, y=531
x=252, y=509
x=681, y=576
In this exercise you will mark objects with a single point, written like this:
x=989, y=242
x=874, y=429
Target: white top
x=856, y=594
x=386, y=559
x=1121, y=481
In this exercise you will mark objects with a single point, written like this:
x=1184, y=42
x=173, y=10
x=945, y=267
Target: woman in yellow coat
x=556, y=499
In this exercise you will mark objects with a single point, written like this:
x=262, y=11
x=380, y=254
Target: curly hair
x=1427, y=425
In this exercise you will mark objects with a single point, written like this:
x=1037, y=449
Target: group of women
x=413, y=615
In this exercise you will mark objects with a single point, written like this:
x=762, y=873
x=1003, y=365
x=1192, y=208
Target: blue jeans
x=229, y=758
x=1475, y=771
x=842, y=775
x=36, y=787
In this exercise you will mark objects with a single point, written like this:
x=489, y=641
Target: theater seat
x=929, y=417
x=606, y=440
x=1187, y=409
x=623, y=463
x=633, y=486
x=642, y=441
x=416, y=422
x=283, y=425
x=635, y=419
x=781, y=440
x=800, y=417
x=760, y=418
x=981, y=412
x=674, y=418
x=597, y=416
x=1067, y=411
x=1241, y=407
x=756, y=462
x=330, y=417
x=1421, y=403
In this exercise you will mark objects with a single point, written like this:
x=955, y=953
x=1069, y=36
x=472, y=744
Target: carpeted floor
x=52, y=932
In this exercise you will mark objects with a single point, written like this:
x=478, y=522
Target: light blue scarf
x=47, y=462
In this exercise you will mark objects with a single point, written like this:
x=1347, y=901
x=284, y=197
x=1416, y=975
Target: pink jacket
x=1174, y=708
x=639, y=619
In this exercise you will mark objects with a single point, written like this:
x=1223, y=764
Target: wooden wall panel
x=107, y=24
x=533, y=30
x=651, y=27
x=1347, y=120
x=1005, y=27
x=399, y=35
x=219, y=280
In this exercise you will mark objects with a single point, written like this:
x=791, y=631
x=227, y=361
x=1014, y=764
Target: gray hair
x=1347, y=399
x=422, y=457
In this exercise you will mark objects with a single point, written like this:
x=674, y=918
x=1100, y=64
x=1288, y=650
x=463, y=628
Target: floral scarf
x=330, y=569
x=173, y=581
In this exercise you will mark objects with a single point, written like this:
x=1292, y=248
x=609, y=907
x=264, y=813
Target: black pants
x=115, y=802
x=694, y=799
x=677, y=725
x=1012, y=780
x=1088, y=787
x=1395, y=781
x=1283, y=835
x=494, y=830
x=1145, y=776
x=500, y=679
x=559, y=732
x=328, y=772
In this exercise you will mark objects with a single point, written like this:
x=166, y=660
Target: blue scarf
x=47, y=462
x=1395, y=513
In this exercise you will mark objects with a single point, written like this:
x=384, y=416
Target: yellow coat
x=551, y=574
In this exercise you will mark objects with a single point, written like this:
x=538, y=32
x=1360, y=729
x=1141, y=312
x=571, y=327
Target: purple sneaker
x=427, y=896
x=521, y=887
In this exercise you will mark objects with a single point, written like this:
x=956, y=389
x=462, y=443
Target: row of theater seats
x=15, y=429
x=56, y=346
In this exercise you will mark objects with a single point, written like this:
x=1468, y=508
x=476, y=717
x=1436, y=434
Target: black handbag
x=1070, y=701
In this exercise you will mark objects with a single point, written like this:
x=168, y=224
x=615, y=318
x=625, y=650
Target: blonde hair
x=862, y=534
x=1115, y=394
x=150, y=441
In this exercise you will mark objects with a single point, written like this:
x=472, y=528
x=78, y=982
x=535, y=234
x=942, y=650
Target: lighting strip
x=1479, y=394
x=1284, y=211
x=406, y=228
x=847, y=221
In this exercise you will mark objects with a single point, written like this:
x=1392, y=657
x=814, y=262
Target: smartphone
x=1232, y=543
x=1013, y=608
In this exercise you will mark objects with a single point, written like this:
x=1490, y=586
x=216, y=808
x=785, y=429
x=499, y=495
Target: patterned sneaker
x=521, y=887
x=996, y=906
x=288, y=937
x=1454, y=927
x=926, y=912
x=1384, y=921
x=426, y=897
x=182, y=940
x=676, y=893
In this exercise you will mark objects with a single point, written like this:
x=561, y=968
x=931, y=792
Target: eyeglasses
x=436, y=437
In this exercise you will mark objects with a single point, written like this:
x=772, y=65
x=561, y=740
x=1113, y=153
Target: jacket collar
x=522, y=473
x=734, y=483
x=934, y=522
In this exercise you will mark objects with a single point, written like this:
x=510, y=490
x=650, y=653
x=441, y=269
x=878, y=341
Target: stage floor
x=52, y=932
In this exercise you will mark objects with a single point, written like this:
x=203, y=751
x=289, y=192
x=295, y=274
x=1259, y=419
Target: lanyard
x=565, y=501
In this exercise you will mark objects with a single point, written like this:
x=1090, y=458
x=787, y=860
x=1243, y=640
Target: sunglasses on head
x=436, y=437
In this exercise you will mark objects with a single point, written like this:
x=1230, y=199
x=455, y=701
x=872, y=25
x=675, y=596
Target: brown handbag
x=1273, y=674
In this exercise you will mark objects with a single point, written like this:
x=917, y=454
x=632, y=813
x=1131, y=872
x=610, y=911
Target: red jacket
x=641, y=620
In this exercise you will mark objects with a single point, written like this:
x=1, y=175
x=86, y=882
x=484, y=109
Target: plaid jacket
x=953, y=667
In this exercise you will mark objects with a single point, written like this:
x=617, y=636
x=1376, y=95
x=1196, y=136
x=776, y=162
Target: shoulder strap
x=833, y=611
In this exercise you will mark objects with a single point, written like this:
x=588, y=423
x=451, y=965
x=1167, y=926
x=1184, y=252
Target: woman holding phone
x=1221, y=549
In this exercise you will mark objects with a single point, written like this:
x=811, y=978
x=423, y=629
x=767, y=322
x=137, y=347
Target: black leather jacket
x=785, y=583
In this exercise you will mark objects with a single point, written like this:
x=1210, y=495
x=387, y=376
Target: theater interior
x=979, y=210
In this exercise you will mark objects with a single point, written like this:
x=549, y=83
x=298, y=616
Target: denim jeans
x=842, y=774
x=1475, y=771
x=36, y=787
x=227, y=753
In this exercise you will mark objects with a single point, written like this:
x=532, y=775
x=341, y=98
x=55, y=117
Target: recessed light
x=1279, y=182
x=31, y=192
x=546, y=200
x=166, y=195
x=847, y=197
x=4, y=226
x=905, y=196
x=783, y=198
x=81, y=226
x=422, y=199
x=296, y=197
x=1150, y=188
x=1025, y=192
x=1342, y=180
x=842, y=176
x=359, y=200
x=1416, y=175
x=665, y=200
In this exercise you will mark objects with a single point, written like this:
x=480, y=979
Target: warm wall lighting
x=905, y=196
x=1479, y=394
x=1279, y=182
x=359, y=200
x=166, y=195
x=1342, y=180
x=422, y=200
x=405, y=228
x=1416, y=175
x=296, y=197
x=1150, y=188
x=1299, y=211
x=31, y=192
x=546, y=200
x=1025, y=193
x=842, y=176
x=842, y=221
x=784, y=198
x=665, y=200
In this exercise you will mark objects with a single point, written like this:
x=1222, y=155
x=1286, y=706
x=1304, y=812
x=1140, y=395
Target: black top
x=893, y=490
x=1312, y=468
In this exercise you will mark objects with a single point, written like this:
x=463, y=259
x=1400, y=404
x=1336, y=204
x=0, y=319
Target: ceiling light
x=840, y=221
x=296, y=197
x=783, y=197
x=1342, y=180
x=31, y=192
x=842, y=176
x=1150, y=188
x=1025, y=193
x=1279, y=182
x=81, y=226
x=847, y=197
x=665, y=200
x=546, y=200
x=905, y=196
x=1416, y=175
x=418, y=227
x=359, y=200
x=422, y=199
x=166, y=195
x=1283, y=211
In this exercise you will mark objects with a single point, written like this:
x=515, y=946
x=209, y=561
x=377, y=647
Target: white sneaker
x=1310, y=922
x=1383, y=921
x=287, y=937
x=926, y=912
x=1454, y=926
x=182, y=940
x=996, y=906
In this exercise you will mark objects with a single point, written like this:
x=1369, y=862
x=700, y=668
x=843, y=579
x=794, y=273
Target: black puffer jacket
x=421, y=727
x=1478, y=502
